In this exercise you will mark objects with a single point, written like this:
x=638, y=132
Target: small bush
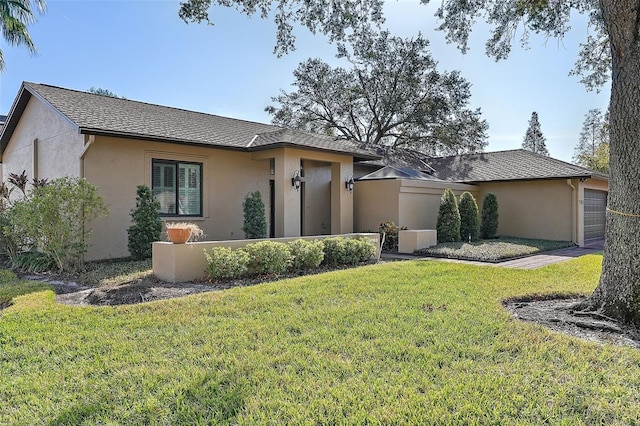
x=469, y=222
x=32, y=262
x=347, y=251
x=147, y=225
x=255, y=220
x=489, y=224
x=55, y=219
x=222, y=262
x=389, y=232
x=306, y=254
x=269, y=257
x=448, y=225
x=360, y=249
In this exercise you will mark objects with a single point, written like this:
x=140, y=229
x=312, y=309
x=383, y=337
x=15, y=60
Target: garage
x=595, y=205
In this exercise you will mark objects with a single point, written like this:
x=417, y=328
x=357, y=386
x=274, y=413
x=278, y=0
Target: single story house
x=201, y=166
x=538, y=196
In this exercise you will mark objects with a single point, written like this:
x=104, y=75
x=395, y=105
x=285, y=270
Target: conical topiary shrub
x=469, y=221
x=147, y=225
x=489, y=225
x=448, y=225
x=255, y=220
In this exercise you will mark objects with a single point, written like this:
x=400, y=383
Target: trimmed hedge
x=273, y=257
x=306, y=254
x=469, y=222
x=448, y=225
x=489, y=225
x=269, y=257
x=222, y=262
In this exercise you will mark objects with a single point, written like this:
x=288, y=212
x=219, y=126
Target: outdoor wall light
x=296, y=181
x=349, y=183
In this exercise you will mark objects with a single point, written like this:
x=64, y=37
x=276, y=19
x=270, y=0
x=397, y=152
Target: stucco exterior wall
x=375, y=201
x=44, y=144
x=317, y=198
x=419, y=202
x=534, y=209
x=406, y=202
x=117, y=166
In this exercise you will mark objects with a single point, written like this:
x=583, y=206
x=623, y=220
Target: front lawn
x=493, y=250
x=395, y=343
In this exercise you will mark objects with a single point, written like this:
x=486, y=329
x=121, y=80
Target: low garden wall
x=411, y=240
x=186, y=262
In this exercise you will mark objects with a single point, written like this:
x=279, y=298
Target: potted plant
x=182, y=232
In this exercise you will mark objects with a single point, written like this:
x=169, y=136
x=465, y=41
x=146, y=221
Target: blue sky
x=143, y=51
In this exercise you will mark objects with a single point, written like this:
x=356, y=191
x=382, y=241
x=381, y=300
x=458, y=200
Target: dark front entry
x=595, y=207
x=272, y=208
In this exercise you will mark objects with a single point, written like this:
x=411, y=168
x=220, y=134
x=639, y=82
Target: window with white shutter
x=178, y=187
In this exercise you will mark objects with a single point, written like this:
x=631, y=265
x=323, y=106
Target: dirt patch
x=558, y=313
x=149, y=288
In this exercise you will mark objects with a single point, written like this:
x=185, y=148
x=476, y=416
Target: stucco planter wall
x=186, y=262
x=415, y=239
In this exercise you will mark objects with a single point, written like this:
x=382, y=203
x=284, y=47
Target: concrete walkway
x=530, y=262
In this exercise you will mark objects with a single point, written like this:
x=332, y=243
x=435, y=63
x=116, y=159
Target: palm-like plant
x=15, y=16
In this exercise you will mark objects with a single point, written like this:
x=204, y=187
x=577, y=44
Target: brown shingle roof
x=104, y=115
x=511, y=165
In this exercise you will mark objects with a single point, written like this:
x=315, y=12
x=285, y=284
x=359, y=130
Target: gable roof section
x=400, y=157
x=391, y=172
x=103, y=115
x=511, y=165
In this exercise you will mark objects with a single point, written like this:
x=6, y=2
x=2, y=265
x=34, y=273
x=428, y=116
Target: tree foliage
x=15, y=17
x=104, y=92
x=534, y=140
x=147, y=225
x=335, y=19
x=448, y=224
x=469, y=221
x=392, y=94
x=592, y=150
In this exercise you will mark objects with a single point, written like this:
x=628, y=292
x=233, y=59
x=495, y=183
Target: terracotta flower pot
x=179, y=235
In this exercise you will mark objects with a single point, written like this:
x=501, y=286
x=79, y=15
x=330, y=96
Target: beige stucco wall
x=317, y=198
x=44, y=144
x=406, y=202
x=534, y=209
x=118, y=165
x=419, y=202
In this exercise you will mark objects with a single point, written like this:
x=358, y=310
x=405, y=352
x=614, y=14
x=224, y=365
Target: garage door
x=595, y=205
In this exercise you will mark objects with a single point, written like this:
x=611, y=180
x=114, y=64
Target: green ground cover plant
x=493, y=250
x=395, y=343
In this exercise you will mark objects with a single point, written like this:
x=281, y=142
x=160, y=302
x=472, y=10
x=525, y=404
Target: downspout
x=574, y=219
x=88, y=142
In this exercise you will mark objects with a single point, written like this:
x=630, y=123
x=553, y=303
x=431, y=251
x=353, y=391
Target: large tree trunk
x=618, y=294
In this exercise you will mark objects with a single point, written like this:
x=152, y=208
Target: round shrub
x=334, y=250
x=489, y=225
x=222, y=262
x=269, y=257
x=448, y=225
x=360, y=249
x=306, y=254
x=469, y=222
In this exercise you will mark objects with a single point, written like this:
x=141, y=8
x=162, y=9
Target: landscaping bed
x=495, y=250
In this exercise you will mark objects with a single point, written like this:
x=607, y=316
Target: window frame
x=176, y=173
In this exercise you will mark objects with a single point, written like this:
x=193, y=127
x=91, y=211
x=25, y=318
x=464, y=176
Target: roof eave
x=357, y=155
x=585, y=176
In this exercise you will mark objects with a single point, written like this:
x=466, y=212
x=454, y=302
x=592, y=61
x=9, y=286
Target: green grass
x=494, y=250
x=396, y=343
